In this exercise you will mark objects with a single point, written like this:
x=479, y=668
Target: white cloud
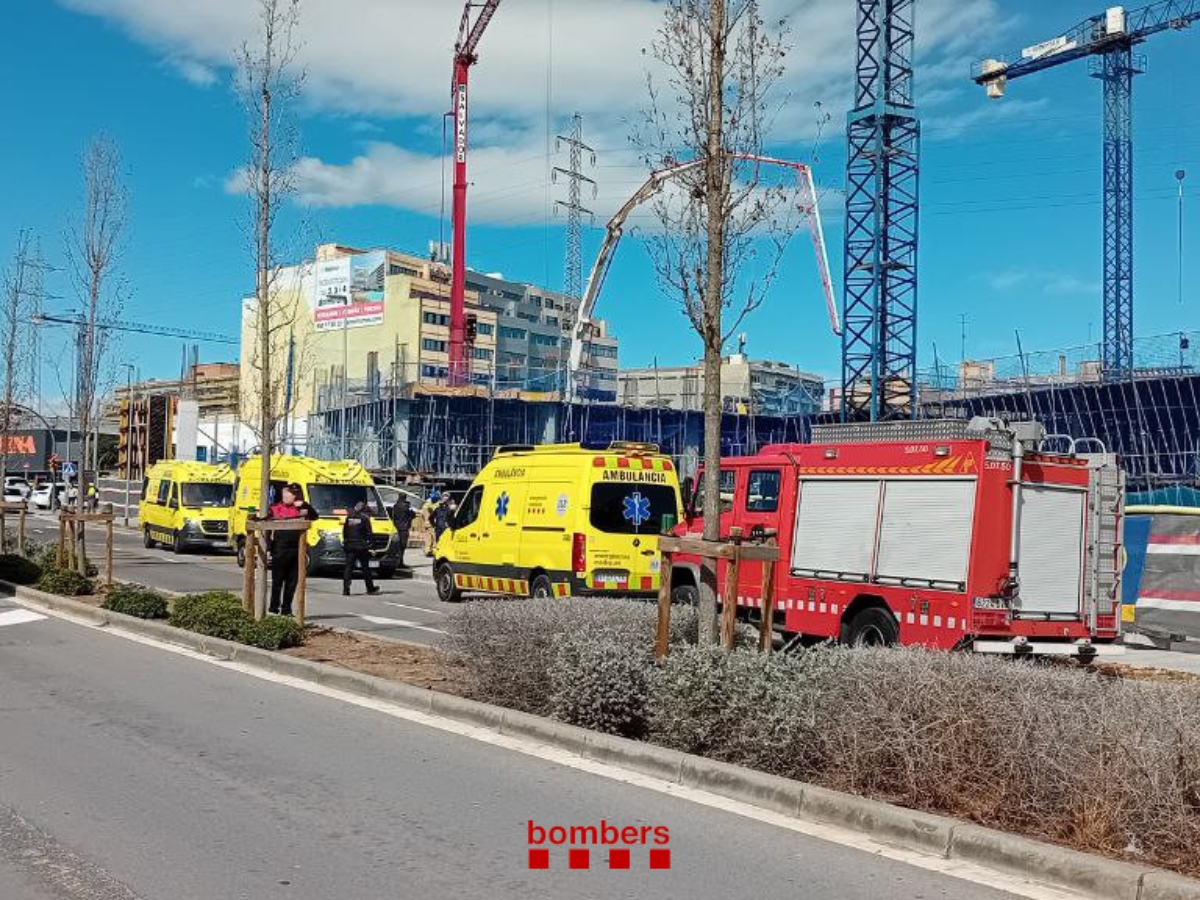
x=194, y=72
x=380, y=59
x=1048, y=282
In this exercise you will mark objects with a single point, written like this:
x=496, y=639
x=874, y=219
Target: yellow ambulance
x=186, y=504
x=330, y=487
x=559, y=520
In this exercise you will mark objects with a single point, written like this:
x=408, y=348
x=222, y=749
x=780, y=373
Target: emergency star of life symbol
x=502, y=505
x=637, y=508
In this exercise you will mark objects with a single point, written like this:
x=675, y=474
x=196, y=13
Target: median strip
x=938, y=836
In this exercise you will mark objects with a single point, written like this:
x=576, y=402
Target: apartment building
x=748, y=386
x=372, y=323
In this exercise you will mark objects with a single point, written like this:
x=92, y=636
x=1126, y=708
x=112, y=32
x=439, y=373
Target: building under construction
x=1151, y=418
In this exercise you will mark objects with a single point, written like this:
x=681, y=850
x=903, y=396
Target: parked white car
x=41, y=497
x=13, y=494
x=18, y=483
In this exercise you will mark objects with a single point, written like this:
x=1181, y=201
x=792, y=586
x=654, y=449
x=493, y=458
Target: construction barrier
x=1161, y=593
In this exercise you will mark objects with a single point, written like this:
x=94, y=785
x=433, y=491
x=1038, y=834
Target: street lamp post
x=128, y=435
x=345, y=372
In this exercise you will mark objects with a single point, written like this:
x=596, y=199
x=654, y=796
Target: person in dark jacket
x=402, y=517
x=285, y=548
x=356, y=542
x=443, y=516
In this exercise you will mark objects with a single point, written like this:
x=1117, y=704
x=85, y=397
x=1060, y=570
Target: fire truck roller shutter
x=1051, y=563
x=925, y=531
x=835, y=527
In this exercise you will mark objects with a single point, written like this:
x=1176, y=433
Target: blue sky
x=1011, y=223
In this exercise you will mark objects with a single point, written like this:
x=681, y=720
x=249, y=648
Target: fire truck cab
x=945, y=534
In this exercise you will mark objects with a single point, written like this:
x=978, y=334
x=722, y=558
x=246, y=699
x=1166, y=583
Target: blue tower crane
x=879, y=337
x=1107, y=40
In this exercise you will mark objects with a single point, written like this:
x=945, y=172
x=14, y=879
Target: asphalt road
x=128, y=772
x=405, y=609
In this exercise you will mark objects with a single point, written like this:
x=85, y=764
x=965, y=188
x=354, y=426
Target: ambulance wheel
x=147, y=541
x=446, y=590
x=542, y=588
x=685, y=595
x=872, y=627
x=241, y=553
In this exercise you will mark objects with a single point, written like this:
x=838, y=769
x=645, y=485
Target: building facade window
x=515, y=334
x=483, y=353
x=485, y=328
x=395, y=269
x=433, y=371
x=433, y=318
x=434, y=345
x=543, y=340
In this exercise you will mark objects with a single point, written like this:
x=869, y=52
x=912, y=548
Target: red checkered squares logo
x=633, y=846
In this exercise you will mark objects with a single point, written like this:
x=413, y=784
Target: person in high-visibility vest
x=428, y=512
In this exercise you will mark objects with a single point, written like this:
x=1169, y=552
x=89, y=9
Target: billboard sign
x=1048, y=48
x=348, y=292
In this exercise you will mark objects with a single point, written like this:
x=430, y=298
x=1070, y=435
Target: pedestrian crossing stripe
x=19, y=617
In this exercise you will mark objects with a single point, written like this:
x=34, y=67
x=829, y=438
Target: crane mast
x=465, y=56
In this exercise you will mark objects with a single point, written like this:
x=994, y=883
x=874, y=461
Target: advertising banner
x=348, y=292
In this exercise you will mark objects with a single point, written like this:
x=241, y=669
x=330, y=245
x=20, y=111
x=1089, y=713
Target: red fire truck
x=946, y=534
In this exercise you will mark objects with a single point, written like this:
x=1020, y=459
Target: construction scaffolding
x=1150, y=419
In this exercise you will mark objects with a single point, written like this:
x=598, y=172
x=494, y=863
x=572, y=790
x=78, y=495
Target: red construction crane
x=464, y=57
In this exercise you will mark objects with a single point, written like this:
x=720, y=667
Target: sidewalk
x=1140, y=653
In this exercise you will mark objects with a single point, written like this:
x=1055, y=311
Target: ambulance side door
x=464, y=535
x=503, y=508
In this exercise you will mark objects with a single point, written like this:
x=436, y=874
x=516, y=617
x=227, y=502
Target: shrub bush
x=135, y=600
x=1109, y=766
x=601, y=683
x=46, y=556
x=1105, y=765
x=507, y=647
x=273, y=633
x=214, y=613
x=33, y=549
x=18, y=570
x=65, y=583
x=220, y=614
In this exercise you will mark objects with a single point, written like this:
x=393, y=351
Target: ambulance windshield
x=619, y=508
x=201, y=493
x=338, y=499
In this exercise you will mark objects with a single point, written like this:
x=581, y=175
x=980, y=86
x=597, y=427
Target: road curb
x=899, y=827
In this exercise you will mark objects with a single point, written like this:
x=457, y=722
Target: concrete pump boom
x=653, y=184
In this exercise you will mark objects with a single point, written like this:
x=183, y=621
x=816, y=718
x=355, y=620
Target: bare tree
x=268, y=87
x=15, y=343
x=93, y=248
x=725, y=219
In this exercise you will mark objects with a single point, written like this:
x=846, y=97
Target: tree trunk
x=716, y=181
x=267, y=395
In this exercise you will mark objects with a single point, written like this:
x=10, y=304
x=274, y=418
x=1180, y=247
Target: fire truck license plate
x=989, y=603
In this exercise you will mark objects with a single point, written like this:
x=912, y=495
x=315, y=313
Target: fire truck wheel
x=685, y=595
x=872, y=627
x=446, y=590
x=241, y=553
x=147, y=541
